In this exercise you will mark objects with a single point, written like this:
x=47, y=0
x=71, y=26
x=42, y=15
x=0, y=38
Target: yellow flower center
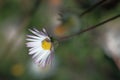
x=46, y=44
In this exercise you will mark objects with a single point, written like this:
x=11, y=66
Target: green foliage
x=79, y=58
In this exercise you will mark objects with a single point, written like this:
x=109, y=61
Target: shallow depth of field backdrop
x=92, y=55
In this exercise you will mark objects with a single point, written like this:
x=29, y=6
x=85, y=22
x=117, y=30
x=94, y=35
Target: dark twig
x=84, y=12
x=92, y=7
x=88, y=29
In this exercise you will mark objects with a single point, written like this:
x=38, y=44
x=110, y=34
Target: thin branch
x=92, y=7
x=86, y=11
x=88, y=29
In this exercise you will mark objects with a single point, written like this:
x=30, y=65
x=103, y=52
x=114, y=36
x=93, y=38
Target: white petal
x=43, y=64
x=34, y=40
x=36, y=30
x=42, y=33
x=37, y=54
x=37, y=34
x=33, y=48
x=49, y=59
x=42, y=57
x=33, y=44
x=44, y=30
x=33, y=37
x=34, y=51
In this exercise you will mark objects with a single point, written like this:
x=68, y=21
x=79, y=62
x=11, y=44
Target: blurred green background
x=93, y=55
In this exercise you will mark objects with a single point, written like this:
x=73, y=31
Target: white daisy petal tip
x=44, y=30
x=40, y=47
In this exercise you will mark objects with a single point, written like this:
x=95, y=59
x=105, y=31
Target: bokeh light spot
x=17, y=70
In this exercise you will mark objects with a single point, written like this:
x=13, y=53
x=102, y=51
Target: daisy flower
x=40, y=47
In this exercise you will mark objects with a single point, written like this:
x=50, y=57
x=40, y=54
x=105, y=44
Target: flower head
x=40, y=47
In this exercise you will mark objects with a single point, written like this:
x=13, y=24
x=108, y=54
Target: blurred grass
x=79, y=58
